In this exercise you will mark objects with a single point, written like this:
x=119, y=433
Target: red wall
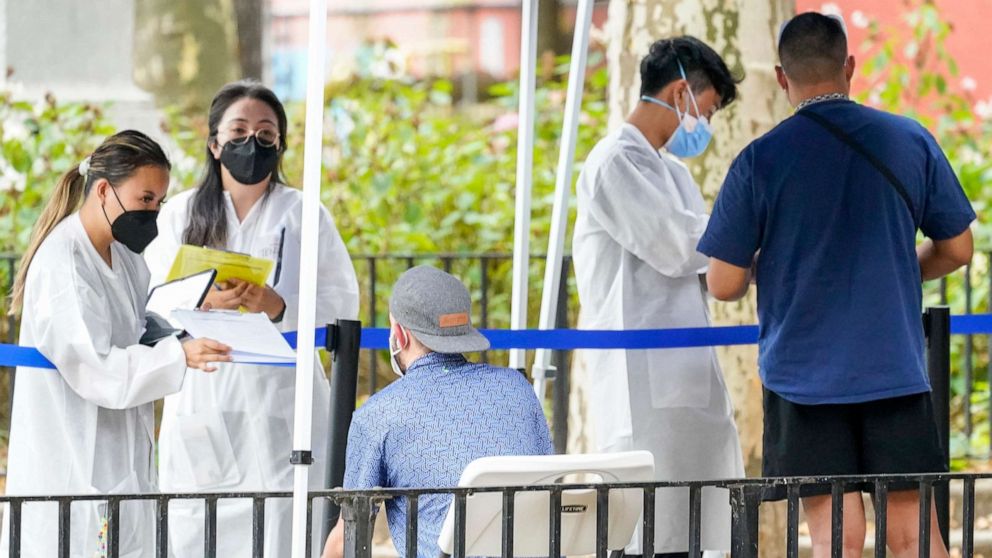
x=421, y=30
x=968, y=43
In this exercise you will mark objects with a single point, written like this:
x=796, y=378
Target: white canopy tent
x=563, y=187
x=525, y=174
x=303, y=412
x=311, y=206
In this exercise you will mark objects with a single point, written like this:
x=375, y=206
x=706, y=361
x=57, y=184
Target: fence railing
x=969, y=370
x=358, y=512
x=745, y=496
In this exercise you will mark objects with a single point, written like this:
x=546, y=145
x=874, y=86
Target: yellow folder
x=229, y=265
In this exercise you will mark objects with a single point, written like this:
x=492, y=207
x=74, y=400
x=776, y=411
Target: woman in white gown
x=87, y=428
x=233, y=430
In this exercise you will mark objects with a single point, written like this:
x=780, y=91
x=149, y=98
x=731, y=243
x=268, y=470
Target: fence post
x=359, y=517
x=344, y=342
x=744, y=502
x=559, y=398
x=937, y=327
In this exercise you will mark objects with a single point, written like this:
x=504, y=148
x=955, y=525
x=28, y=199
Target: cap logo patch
x=453, y=320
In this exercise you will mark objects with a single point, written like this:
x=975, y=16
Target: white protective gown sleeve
x=72, y=329
x=646, y=215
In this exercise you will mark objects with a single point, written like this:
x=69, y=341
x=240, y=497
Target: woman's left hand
x=261, y=299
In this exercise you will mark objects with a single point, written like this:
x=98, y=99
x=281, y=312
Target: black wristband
x=281, y=315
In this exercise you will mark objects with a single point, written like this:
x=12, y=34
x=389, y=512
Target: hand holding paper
x=203, y=353
x=227, y=296
x=263, y=299
x=252, y=337
x=229, y=265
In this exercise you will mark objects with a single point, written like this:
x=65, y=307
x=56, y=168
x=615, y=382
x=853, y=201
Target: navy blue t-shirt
x=839, y=288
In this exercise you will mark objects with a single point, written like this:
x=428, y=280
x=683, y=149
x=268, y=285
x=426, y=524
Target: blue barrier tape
x=971, y=324
x=557, y=339
x=15, y=355
x=567, y=339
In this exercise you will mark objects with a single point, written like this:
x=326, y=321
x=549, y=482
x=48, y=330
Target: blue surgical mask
x=693, y=134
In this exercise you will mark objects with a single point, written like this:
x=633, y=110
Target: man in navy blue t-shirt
x=825, y=209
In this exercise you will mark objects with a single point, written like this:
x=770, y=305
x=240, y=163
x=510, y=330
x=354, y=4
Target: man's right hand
x=203, y=353
x=228, y=297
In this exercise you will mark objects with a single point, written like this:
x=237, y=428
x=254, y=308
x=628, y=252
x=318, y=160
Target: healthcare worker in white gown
x=88, y=426
x=640, y=215
x=232, y=431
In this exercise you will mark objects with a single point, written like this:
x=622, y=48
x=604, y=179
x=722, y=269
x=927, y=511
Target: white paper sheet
x=252, y=337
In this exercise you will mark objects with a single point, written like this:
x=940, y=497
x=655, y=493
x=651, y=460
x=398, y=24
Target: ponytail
x=65, y=200
x=116, y=160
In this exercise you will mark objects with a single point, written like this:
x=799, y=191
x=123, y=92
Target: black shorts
x=887, y=436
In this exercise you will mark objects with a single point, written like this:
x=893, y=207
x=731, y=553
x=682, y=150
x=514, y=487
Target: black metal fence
x=972, y=385
x=746, y=497
x=16, y=505
x=358, y=511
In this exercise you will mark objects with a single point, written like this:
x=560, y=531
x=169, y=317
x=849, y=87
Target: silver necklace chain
x=821, y=98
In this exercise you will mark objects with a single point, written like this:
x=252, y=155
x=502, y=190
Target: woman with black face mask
x=233, y=432
x=81, y=288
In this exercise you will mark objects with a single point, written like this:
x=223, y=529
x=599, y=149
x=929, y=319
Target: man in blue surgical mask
x=640, y=216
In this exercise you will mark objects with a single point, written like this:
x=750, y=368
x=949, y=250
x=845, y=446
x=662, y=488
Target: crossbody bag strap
x=859, y=148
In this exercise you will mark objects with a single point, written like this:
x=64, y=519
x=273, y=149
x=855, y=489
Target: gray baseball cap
x=437, y=308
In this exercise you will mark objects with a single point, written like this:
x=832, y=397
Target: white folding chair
x=483, y=511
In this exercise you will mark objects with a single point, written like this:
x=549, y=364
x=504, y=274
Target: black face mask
x=135, y=229
x=249, y=163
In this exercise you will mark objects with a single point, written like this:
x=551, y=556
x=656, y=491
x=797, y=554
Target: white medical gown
x=640, y=216
x=232, y=430
x=87, y=428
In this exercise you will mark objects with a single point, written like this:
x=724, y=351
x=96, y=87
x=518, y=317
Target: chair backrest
x=483, y=511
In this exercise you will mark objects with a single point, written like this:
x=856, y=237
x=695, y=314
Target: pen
x=282, y=241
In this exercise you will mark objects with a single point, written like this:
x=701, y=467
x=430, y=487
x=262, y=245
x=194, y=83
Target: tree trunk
x=251, y=24
x=549, y=35
x=184, y=50
x=743, y=32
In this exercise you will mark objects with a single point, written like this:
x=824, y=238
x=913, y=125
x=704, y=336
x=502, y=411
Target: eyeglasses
x=239, y=135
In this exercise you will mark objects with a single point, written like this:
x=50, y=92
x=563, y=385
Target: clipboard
x=228, y=265
x=185, y=293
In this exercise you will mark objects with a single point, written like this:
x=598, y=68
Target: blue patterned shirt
x=425, y=428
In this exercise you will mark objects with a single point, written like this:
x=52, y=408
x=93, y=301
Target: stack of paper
x=252, y=337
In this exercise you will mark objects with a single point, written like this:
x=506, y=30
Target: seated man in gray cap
x=443, y=413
